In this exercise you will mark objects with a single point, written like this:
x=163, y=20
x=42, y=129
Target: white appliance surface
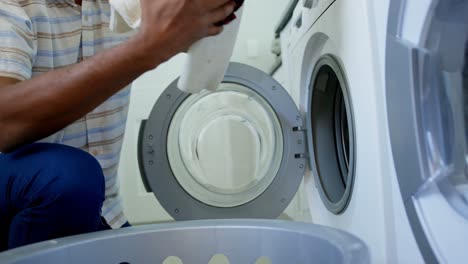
x=345, y=31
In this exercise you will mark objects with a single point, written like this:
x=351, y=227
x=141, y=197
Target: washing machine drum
x=238, y=152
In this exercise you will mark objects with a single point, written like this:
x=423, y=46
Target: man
x=63, y=78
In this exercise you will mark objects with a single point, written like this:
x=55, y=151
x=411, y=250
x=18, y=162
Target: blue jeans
x=48, y=191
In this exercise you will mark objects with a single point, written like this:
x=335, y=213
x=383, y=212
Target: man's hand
x=171, y=26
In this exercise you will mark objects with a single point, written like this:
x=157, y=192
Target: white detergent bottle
x=208, y=59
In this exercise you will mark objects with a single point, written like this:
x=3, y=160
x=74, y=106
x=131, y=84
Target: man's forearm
x=34, y=109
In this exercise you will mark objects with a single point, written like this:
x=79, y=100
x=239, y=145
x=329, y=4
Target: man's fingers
x=214, y=30
x=214, y=4
x=222, y=13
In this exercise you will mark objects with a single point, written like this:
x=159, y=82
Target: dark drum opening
x=332, y=134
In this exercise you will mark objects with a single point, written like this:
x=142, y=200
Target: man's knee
x=57, y=191
x=77, y=178
x=68, y=178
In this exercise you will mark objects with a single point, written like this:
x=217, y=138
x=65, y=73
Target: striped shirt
x=37, y=36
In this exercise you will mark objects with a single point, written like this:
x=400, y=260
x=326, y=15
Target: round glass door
x=225, y=147
x=427, y=100
x=238, y=152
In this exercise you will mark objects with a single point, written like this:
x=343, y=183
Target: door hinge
x=301, y=141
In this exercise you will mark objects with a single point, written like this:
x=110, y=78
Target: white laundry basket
x=196, y=242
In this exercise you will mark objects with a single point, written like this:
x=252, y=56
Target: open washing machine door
x=427, y=103
x=239, y=152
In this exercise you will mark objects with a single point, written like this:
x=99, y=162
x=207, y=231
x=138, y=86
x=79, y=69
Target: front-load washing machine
x=414, y=76
x=333, y=80
x=421, y=52
x=426, y=102
x=412, y=80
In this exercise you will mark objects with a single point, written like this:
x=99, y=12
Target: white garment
x=208, y=59
x=125, y=15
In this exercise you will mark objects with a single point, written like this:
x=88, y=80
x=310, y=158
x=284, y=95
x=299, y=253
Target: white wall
x=253, y=48
x=257, y=31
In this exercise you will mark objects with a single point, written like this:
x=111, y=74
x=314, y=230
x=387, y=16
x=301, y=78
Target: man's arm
x=34, y=109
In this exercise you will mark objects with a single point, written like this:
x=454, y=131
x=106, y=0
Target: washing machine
x=426, y=101
x=328, y=48
x=420, y=47
x=402, y=66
